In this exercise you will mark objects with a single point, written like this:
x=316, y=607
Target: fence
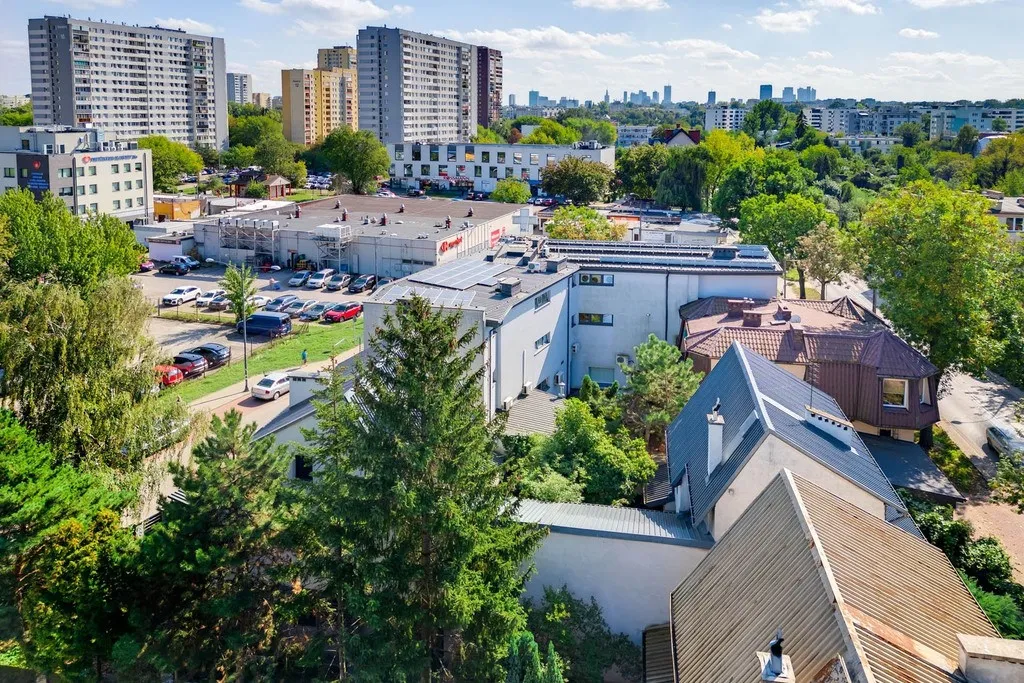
x=191, y=313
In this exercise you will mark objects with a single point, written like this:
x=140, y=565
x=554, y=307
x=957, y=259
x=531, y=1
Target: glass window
x=92, y=170
x=501, y=157
x=81, y=190
x=517, y=157
x=509, y=172
x=534, y=159
x=542, y=300
x=478, y=171
x=94, y=208
x=603, y=376
x=471, y=153
x=116, y=186
x=79, y=171
x=117, y=204
x=926, y=392
x=435, y=153
x=128, y=203
x=399, y=152
x=138, y=184
x=525, y=175
x=9, y=173
x=596, y=279
x=81, y=210
x=67, y=192
x=894, y=392
x=407, y=170
x=452, y=151
x=114, y=168
x=442, y=170
x=127, y=168
x=595, y=319
x=138, y=165
x=551, y=160
x=493, y=171
x=24, y=173
x=424, y=169
x=417, y=153
x=65, y=173
x=139, y=202
x=460, y=171
x=542, y=342
x=485, y=157
x=93, y=189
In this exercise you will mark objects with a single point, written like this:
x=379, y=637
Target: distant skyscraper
x=337, y=57
x=534, y=97
x=511, y=99
x=807, y=94
x=666, y=98
x=240, y=88
x=625, y=97
x=654, y=97
x=607, y=97
x=766, y=92
x=787, y=94
x=712, y=96
x=316, y=102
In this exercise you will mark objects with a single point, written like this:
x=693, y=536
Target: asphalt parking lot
x=174, y=336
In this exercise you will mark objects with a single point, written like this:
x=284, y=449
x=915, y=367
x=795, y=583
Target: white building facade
x=724, y=117
x=630, y=136
x=239, y=88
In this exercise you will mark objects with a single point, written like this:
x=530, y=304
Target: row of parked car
x=330, y=279
x=311, y=311
x=193, y=363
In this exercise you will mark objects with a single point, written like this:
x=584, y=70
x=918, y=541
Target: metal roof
x=605, y=521
x=906, y=465
x=534, y=414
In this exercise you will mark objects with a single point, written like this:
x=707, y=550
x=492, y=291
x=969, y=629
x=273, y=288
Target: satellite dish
x=275, y=268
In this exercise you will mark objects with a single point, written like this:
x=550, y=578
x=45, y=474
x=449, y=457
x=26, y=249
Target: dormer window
x=894, y=392
x=926, y=392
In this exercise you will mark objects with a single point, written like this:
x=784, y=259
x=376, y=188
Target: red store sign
x=448, y=244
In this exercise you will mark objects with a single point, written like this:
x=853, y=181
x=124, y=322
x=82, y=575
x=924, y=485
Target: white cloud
x=700, y=48
x=936, y=4
x=860, y=7
x=613, y=5
x=951, y=58
x=188, y=25
x=402, y=10
x=543, y=42
x=796, y=21
x=325, y=17
x=86, y=4
x=819, y=54
x=917, y=33
x=726, y=27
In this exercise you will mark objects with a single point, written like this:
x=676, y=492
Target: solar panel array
x=437, y=297
x=461, y=274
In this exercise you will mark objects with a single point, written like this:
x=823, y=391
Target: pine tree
x=553, y=667
x=424, y=510
x=215, y=565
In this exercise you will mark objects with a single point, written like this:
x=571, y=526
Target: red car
x=169, y=375
x=146, y=266
x=342, y=312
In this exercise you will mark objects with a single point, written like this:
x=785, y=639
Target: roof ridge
x=755, y=392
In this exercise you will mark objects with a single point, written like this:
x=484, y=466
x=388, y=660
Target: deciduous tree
x=685, y=178
x=777, y=173
x=910, y=133
x=578, y=180
x=358, y=156
x=827, y=252
x=511, y=191
x=966, y=139
x=763, y=118
x=582, y=223
x=239, y=156
x=638, y=168
x=171, y=160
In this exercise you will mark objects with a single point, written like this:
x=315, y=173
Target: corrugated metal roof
x=534, y=414
x=906, y=464
x=612, y=522
x=802, y=559
x=658, y=490
x=657, y=643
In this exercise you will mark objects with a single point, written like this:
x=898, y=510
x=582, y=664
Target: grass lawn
x=309, y=195
x=955, y=464
x=197, y=315
x=321, y=341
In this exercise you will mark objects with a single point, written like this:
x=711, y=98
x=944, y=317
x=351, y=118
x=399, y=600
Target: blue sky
x=889, y=49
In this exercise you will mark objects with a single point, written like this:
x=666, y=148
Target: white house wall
x=753, y=286
x=630, y=579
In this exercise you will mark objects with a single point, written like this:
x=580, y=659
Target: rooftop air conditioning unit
x=534, y=267
x=526, y=388
x=623, y=359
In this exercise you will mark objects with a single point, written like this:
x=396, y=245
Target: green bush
x=1004, y=613
x=954, y=463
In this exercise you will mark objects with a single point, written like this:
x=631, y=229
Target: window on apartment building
x=493, y=172
x=501, y=157
x=542, y=342
x=138, y=184
x=542, y=300
x=596, y=319
x=92, y=170
x=26, y=144
x=407, y=170
x=451, y=153
x=128, y=203
x=551, y=160
x=442, y=170
x=94, y=208
x=399, y=152
x=81, y=190
x=79, y=171
x=117, y=204
x=64, y=173
x=138, y=165
x=534, y=159
x=525, y=175
x=81, y=210
x=67, y=192
x=597, y=279
x=139, y=202
x=435, y=153
x=114, y=168
x=127, y=168
x=603, y=376
x=894, y=392
x=417, y=153
x=9, y=173
x=517, y=157
x=471, y=153
x=425, y=169
x=926, y=392
x=116, y=187
x=93, y=189
x=485, y=157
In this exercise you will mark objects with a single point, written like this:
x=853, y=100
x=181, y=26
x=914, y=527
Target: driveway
x=969, y=405
x=174, y=336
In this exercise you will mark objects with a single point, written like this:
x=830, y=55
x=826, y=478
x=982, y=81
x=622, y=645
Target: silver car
x=1004, y=440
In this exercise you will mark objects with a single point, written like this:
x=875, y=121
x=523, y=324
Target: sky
x=886, y=49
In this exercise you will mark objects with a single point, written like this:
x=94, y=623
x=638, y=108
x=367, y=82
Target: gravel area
x=1002, y=521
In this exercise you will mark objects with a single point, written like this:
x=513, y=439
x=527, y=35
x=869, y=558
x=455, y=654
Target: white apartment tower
x=415, y=87
x=239, y=88
x=132, y=81
x=724, y=117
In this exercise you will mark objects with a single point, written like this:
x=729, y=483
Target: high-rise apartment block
x=724, y=117
x=534, y=98
x=766, y=92
x=132, y=81
x=239, y=88
x=489, y=75
x=511, y=99
x=11, y=101
x=261, y=99
x=337, y=57
x=807, y=94
x=317, y=101
x=712, y=97
x=415, y=87
x=666, y=98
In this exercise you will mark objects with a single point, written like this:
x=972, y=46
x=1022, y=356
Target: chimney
x=775, y=666
x=556, y=263
x=783, y=312
x=836, y=427
x=510, y=286
x=734, y=306
x=796, y=334
x=751, y=319
x=984, y=659
x=716, y=432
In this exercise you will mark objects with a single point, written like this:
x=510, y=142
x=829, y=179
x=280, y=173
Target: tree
x=214, y=185
x=423, y=513
x=966, y=139
x=486, y=136
x=724, y=151
x=1009, y=484
x=823, y=161
x=209, y=154
x=256, y=190
x=240, y=285
x=957, y=170
x=684, y=180
x=582, y=223
x=658, y=385
x=550, y=132
x=763, y=118
x=216, y=569
x=779, y=225
x=910, y=133
x=827, y=253
x=358, y=156
x=777, y=173
x=638, y=168
x=17, y=116
x=934, y=254
x=1000, y=157
x=171, y=160
x=523, y=664
x=578, y=180
x=582, y=638
x=250, y=130
x=239, y=156
x=274, y=154
x=999, y=125
x=511, y=191
x=590, y=129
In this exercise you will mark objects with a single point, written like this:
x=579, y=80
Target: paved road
x=969, y=405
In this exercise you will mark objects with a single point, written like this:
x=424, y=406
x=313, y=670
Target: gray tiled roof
x=534, y=414
x=612, y=522
x=747, y=383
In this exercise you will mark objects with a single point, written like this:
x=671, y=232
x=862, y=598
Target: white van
x=320, y=278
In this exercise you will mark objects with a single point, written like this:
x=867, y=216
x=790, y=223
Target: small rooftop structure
x=534, y=413
x=612, y=522
x=721, y=259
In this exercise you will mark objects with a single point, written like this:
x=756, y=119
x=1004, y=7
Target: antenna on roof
x=715, y=408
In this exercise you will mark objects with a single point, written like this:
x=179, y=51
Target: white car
x=320, y=278
x=259, y=301
x=180, y=295
x=271, y=387
x=209, y=295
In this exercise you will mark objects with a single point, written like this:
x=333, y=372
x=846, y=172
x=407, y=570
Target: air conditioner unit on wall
x=507, y=403
x=575, y=347
x=623, y=359
x=527, y=387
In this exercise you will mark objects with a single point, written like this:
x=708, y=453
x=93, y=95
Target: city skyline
x=887, y=49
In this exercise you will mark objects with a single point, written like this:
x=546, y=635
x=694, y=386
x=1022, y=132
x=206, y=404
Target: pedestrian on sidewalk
x=305, y=356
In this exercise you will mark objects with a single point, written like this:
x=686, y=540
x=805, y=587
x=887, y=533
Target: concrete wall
x=631, y=580
x=772, y=457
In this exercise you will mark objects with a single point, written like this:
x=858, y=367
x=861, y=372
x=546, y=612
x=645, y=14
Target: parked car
x=320, y=278
x=314, y=313
x=174, y=269
x=220, y=303
x=337, y=313
x=279, y=302
x=415, y=193
x=209, y=295
x=299, y=278
x=180, y=295
x=383, y=281
x=271, y=387
x=270, y=324
x=186, y=260
x=1004, y=440
x=298, y=307
x=146, y=266
x=169, y=375
x=191, y=364
x=215, y=354
x=259, y=301
x=362, y=283
x=339, y=281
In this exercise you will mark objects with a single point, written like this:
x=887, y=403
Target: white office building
x=630, y=136
x=946, y=122
x=415, y=87
x=131, y=81
x=239, y=88
x=724, y=117
x=828, y=120
x=481, y=166
x=91, y=173
x=862, y=143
